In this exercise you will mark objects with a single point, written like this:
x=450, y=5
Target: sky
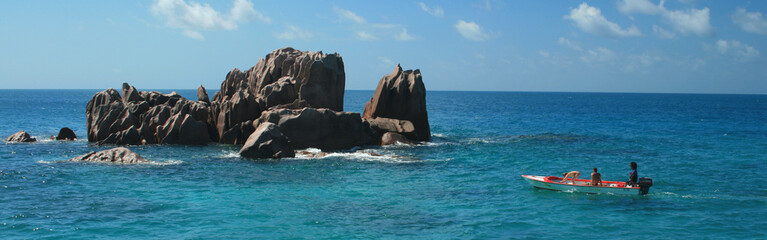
x=673, y=46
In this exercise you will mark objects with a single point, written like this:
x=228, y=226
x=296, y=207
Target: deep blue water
x=705, y=153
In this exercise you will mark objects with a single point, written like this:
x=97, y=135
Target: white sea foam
x=439, y=135
x=367, y=155
x=479, y=140
x=166, y=163
x=230, y=155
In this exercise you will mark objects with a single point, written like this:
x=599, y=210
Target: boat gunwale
x=547, y=179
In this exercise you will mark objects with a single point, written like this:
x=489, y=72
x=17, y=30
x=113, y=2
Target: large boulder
x=285, y=78
x=267, y=142
x=233, y=110
x=147, y=117
x=384, y=125
x=66, y=134
x=101, y=112
x=20, y=136
x=119, y=155
x=238, y=134
x=183, y=129
x=401, y=95
x=320, y=128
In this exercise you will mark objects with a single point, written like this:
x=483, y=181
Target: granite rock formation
x=146, y=117
x=118, y=155
x=20, y=136
x=267, y=142
x=66, y=134
x=320, y=128
x=285, y=78
x=289, y=100
x=401, y=95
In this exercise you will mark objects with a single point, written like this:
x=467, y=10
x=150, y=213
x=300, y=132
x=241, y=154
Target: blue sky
x=674, y=46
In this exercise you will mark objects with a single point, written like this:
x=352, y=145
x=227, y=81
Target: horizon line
x=438, y=90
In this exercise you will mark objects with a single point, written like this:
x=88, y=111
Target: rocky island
x=289, y=100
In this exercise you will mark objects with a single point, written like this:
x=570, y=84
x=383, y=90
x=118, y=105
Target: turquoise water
x=705, y=153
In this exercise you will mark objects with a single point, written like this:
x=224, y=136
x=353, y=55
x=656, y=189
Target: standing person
x=596, y=178
x=573, y=175
x=633, y=175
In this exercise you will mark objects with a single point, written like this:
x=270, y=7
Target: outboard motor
x=644, y=185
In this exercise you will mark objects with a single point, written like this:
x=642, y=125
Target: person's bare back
x=573, y=175
x=596, y=178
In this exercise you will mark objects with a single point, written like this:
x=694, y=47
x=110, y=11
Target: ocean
x=706, y=155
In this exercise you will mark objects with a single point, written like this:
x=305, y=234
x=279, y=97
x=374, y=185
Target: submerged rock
x=20, y=136
x=267, y=142
x=401, y=95
x=391, y=138
x=119, y=155
x=66, y=134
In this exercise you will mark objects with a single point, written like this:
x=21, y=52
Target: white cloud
x=690, y=21
x=293, y=33
x=598, y=55
x=641, y=63
x=193, y=16
x=662, y=33
x=194, y=35
x=385, y=62
x=361, y=29
x=383, y=25
x=590, y=19
x=695, y=21
x=570, y=44
x=243, y=11
x=740, y=51
x=363, y=35
x=638, y=6
x=750, y=21
x=346, y=15
x=404, y=36
x=436, y=11
x=471, y=31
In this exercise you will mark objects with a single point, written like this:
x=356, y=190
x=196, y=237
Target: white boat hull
x=608, y=187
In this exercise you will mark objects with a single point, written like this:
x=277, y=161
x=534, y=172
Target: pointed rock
x=202, y=95
x=401, y=95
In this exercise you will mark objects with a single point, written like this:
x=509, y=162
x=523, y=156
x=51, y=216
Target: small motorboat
x=583, y=185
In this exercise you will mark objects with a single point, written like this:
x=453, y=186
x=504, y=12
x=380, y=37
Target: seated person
x=596, y=178
x=632, y=175
x=573, y=175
